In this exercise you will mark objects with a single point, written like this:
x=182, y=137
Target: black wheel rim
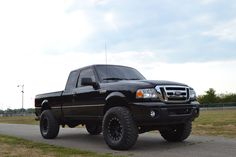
x=115, y=129
x=44, y=125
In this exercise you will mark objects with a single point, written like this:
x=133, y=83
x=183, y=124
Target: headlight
x=146, y=93
x=192, y=94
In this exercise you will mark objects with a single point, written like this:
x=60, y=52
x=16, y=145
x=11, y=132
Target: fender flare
x=115, y=94
x=120, y=100
x=45, y=102
x=45, y=105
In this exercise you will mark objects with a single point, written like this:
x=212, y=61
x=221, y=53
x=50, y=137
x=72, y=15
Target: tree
x=227, y=98
x=1, y=111
x=209, y=97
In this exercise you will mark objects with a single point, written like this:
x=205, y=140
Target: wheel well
x=113, y=102
x=45, y=106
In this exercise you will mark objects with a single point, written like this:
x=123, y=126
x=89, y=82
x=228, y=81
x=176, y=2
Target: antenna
x=106, y=58
x=106, y=51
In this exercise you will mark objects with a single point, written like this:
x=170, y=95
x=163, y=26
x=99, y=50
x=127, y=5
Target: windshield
x=110, y=73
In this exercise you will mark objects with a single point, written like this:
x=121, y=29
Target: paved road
x=148, y=144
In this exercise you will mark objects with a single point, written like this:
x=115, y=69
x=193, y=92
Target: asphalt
x=148, y=144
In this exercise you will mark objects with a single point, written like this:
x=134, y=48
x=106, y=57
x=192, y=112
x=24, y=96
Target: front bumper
x=165, y=114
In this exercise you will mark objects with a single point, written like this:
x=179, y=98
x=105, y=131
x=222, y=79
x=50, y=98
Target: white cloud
x=111, y=20
x=223, y=31
x=71, y=5
x=69, y=31
x=101, y=19
x=203, y=19
x=101, y=2
x=34, y=25
x=206, y=2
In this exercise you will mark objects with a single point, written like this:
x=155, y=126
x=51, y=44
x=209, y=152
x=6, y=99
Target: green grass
x=19, y=120
x=21, y=146
x=216, y=123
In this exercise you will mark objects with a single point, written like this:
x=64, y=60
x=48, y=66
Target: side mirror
x=87, y=81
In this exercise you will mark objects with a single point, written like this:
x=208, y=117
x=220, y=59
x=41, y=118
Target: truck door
x=87, y=101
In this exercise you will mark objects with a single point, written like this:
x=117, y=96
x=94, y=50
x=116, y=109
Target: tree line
x=17, y=111
x=210, y=97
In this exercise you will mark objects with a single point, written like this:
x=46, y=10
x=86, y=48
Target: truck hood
x=162, y=82
x=138, y=84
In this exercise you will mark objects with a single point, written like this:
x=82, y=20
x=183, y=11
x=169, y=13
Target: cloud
x=159, y=25
x=224, y=31
x=207, y=2
x=35, y=25
x=111, y=20
x=68, y=33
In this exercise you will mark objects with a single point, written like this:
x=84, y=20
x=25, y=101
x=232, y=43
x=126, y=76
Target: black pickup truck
x=121, y=103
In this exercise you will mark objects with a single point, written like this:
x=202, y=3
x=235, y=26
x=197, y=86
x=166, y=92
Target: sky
x=41, y=41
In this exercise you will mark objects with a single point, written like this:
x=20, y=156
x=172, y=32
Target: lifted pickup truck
x=119, y=102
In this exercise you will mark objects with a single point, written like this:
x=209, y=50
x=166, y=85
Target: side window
x=72, y=80
x=86, y=73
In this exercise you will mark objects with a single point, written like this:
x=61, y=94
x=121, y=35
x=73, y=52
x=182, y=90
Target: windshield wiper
x=134, y=79
x=114, y=78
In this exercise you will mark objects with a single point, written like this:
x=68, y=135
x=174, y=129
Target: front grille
x=173, y=94
x=175, y=88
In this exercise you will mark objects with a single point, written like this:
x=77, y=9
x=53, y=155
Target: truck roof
x=93, y=65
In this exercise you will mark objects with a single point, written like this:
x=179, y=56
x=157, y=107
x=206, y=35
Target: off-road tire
x=177, y=133
x=119, y=129
x=94, y=129
x=49, y=126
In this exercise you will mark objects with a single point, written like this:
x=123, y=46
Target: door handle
x=102, y=91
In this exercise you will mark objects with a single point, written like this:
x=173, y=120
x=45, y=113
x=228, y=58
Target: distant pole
x=22, y=94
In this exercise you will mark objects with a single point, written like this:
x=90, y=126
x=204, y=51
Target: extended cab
x=119, y=102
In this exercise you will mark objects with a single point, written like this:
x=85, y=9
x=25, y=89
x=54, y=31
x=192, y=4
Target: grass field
x=19, y=120
x=210, y=122
x=216, y=122
x=17, y=147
